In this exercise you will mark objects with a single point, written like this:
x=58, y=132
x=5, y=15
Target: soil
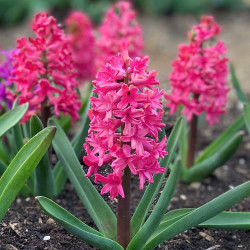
x=25, y=225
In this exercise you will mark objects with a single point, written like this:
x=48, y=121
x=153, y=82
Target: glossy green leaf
x=82, y=133
x=221, y=140
x=201, y=214
x=22, y=166
x=4, y=152
x=98, y=209
x=75, y=226
x=183, y=141
x=160, y=209
x=152, y=189
x=242, y=97
x=247, y=116
x=11, y=118
x=206, y=167
x=17, y=137
x=77, y=142
x=224, y=220
x=44, y=183
x=60, y=177
x=3, y=166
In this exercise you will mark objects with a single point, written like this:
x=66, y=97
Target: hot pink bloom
x=200, y=73
x=119, y=25
x=125, y=120
x=82, y=41
x=43, y=70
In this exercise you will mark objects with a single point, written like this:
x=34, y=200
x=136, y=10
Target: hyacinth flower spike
x=83, y=45
x=45, y=79
x=120, y=132
x=199, y=79
x=119, y=25
x=44, y=73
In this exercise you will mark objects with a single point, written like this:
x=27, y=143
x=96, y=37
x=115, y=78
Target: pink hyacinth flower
x=119, y=26
x=43, y=70
x=199, y=74
x=125, y=121
x=83, y=45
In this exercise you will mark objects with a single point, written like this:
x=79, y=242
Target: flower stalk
x=123, y=211
x=192, y=142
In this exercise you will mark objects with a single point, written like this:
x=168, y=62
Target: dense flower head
x=43, y=70
x=125, y=119
x=6, y=67
x=118, y=26
x=199, y=75
x=82, y=41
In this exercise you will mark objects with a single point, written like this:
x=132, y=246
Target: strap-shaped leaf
x=221, y=140
x=152, y=189
x=224, y=220
x=98, y=209
x=44, y=183
x=160, y=209
x=17, y=138
x=3, y=166
x=206, y=167
x=247, y=116
x=77, y=142
x=4, y=152
x=236, y=85
x=22, y=166
x=82, y=133
x=201, y=214
x=75, y=226
x=11, y=118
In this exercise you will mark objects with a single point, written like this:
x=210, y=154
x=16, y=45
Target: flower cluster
x=6, y=97
x=119, y=25
x=125, y=120
x=43, y=70
x=82, y=41
x=200, y=73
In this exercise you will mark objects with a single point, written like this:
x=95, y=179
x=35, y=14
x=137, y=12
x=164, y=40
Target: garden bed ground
x=25, y=225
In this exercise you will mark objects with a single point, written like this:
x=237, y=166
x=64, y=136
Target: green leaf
x=183, y=141
x=201, y=214
x=22, y=166
x=247, y=116
x=4, y=152
x=82, y=133
x=60, y=177
x=44, y=183
x=11, y=118
x=221, y=140
x=77, y=142
x=98, y=209
x=17, y=137
x=206, y=167
x=224, y=220
x=152, y=189
x=236, y=85
x=75, y=226
x=159, y=210
x=229, y=220
x=3, y=166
